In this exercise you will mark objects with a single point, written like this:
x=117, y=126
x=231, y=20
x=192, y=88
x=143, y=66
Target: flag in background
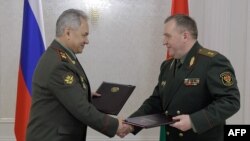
x=178, y=7
x=32, y=47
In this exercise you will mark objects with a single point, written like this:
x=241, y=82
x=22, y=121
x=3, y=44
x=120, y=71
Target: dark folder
x=150, y=121
x=113, y=97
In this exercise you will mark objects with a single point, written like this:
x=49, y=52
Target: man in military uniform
x=197, y=86
x=61, y=102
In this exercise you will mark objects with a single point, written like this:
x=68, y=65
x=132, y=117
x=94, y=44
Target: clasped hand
x=123, y=129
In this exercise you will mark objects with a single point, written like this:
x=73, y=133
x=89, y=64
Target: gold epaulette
x=207, y=52
x=63, y=55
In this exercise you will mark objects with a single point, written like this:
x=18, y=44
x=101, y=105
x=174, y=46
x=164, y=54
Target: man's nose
x=86, y=41
x=165, y=42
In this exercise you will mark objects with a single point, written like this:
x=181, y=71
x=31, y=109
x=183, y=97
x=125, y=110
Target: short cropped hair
x=185, y=22
x=69, y=18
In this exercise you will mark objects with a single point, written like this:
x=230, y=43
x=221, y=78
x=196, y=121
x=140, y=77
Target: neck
x=189, y=45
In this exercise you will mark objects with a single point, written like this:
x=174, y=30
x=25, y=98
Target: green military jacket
x=204, y=87
x=61, y=100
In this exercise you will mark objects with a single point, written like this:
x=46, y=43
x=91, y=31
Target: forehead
x=84, y=25
x=170, y=26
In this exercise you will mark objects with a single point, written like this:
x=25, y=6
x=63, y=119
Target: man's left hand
x=183, y=122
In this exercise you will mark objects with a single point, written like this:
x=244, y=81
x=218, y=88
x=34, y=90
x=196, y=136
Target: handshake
x=123, y=129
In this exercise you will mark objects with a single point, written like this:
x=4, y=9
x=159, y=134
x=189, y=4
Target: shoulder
x=61, y=55
x=207, y=52
x=213, y=57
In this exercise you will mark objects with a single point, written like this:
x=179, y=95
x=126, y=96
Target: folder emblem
x=115, y=89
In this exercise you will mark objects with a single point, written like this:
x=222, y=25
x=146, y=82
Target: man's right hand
x=123, y=129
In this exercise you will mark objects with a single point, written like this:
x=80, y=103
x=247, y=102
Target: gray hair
x=186, y=23
x=69, y=18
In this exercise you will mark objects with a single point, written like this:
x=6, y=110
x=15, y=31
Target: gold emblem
x=63, y=55
x=210, y=53
x=191, y=81
x=191, y=61
x=115, y=89
x=163, y=83
x=226, y=78
x=69, y=79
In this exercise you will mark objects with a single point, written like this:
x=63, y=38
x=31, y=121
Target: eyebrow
x=166, y=34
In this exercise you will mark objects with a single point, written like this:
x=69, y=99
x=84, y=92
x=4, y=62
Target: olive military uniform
x=61, y=101
x=204, y=87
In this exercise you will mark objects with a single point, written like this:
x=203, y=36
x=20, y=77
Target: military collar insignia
x=191, y=81
x=226, y=78
x=191, y=63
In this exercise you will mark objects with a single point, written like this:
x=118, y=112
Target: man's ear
x=67, y=32
x=185, y=35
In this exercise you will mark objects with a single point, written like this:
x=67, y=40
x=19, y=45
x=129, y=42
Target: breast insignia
x=68, y=79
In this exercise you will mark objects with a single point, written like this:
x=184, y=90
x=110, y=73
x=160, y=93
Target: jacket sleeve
x=222, y=85
x=67, y=88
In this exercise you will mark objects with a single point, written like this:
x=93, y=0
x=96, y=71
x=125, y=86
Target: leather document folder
x=113, y=97
x=150, y=121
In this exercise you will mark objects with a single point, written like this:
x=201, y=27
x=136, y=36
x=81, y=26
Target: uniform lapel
x=182, y=73
x=169, y=79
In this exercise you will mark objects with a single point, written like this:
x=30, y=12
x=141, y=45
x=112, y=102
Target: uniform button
x=166, y=112
x=178, y=112
x=167, y=133
x=181, y=134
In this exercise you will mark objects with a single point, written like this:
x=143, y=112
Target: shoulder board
x=207, y=52
x=62, y=55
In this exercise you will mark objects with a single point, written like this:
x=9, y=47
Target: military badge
x=68, y=79
x=191, y=81
x=163, y=83
x=226, y=78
